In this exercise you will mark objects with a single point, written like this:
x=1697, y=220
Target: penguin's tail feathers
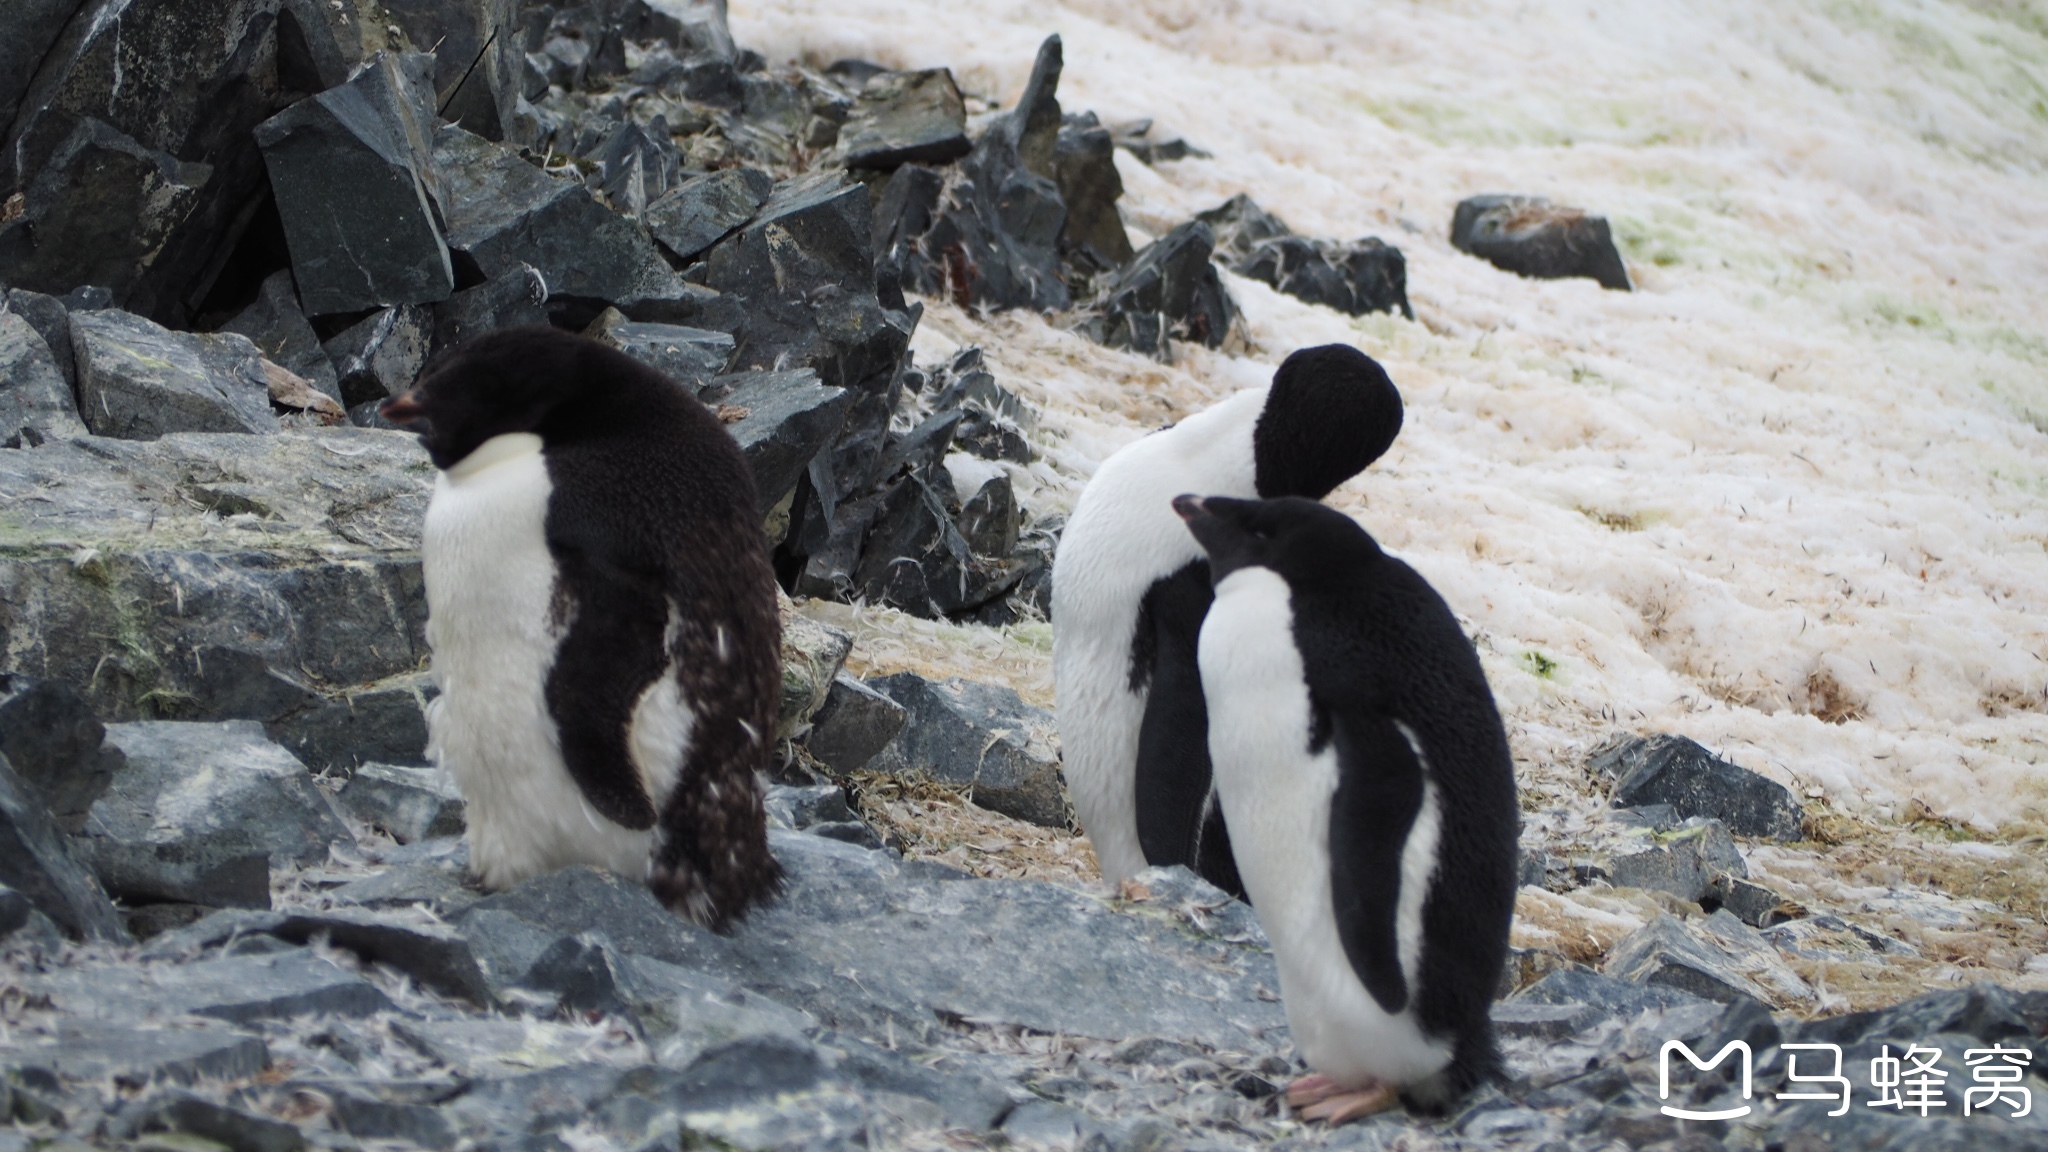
x=1475, y=1062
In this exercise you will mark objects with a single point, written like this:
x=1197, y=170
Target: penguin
x=602, y=618
x=1130, y=587
x=1363, y=769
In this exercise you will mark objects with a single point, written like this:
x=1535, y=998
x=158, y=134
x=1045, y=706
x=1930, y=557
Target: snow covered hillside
x=1789, y=498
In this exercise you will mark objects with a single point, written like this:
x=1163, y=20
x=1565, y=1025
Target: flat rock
x=688, y=356
x=905, y=117
x=188, y=780
x=351, y=169
x=408, y=804
x=505, y=213
x=36, y=402
x=980, y=738
x=36, y=862
x=280, y=330
x=238, y=989
x=1676, y=771
x=48, y=733
x=138, y=380
x=209, y=1120
x=385, y=721
x=90, y=1050
x=1717, y=965
x=853, y=726
x=1530, y=236
x=703, y=210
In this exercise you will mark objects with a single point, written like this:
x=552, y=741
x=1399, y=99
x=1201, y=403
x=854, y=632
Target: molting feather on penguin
x=1130, y=588
x=1364, y=770
x=603, y=621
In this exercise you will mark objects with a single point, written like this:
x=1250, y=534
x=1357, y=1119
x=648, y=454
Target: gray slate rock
x=218, y=868
x=638, y=166
x=381, y=355
x=185, y=781
x=48, y=733
x=505, y=213
x=1084, y=166
x=1171, y=291
x=36, y=861
x=1673, y=770
x=382, y=722
x=979, y=737
x=90, y=1050
x=50, y=316
x=138, y=380
x=1665, y=952
x=510, y=299
x=1530, y=236
x=788, y=418
x=854, y=725
x=36, y=402
x=236, y=1128
x=1696, y=863
x=280, y=330
x=413, y=1125
x=812, y=655
x=15, y=910
x=915, y=558
x=237, y=989
x=688, y=356
x=703, y=210
x=409, y=804
x=352, y=169
x=905, y=117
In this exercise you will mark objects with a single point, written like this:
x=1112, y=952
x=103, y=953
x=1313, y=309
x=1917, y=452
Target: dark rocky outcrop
x=1673, y=770
x=1530, y=236
x=1171, y=291
x=979, y=737
x=903, y=118
x=56, y=746
x=36, y=400
x=1361, y=276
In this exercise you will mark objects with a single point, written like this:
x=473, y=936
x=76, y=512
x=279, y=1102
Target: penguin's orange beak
x=404, y=408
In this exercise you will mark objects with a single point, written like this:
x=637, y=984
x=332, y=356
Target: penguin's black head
x=1305, y=542
x=511, y=380
x=1331, y=412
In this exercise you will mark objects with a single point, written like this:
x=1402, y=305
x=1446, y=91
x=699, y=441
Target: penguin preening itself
x=603, y=621
x=1130, y=587
x=1364, y=771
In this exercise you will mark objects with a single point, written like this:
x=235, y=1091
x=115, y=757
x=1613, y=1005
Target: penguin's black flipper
x=1179, y=821
x=1379, y=794
x=612, y=650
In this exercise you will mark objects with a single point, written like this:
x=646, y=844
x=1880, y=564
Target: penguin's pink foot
x=1318, y=1097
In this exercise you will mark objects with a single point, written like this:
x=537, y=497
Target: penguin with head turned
x=1362, y=765
x=603, y=621
x=1130, y=588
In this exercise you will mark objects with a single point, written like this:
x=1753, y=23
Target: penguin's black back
x=652, y=510
x=1381, y=650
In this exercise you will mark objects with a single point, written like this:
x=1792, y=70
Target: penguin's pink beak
x=404, y=408
x=1188, y=507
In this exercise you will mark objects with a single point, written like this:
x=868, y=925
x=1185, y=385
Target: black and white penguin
x=1130, y=587
x=1363, y=768
x=603, y=621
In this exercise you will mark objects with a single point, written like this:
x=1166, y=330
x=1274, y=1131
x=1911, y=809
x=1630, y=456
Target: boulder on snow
x=1530, y=236
x=1171, y=291
x=1676, y=771
x=138, y=380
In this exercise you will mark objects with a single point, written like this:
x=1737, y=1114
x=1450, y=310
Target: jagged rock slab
x=511, y=299
x=1723, y=961
x=1530, y=236
x=50, y=316
x=351, y=170
x=979, y=737
x=1676, y=771
x=703, y=210
x=223, y=783
x=238, y=989
x=381, y=722
x=1240, y=225
x=689, y=356
x=505, y=213
x=1171, y=291
x=803, y=268
x=191, y=1115
x=409, y=804
x=905, y=117
x=638, y=166
x=1363, y=276
x=1693, y=864
x=36, y=402
x=138, y=380
x=56, y=745
x=36, y=861
x=36, y=25
x=914, y=558
x=1084, y=165
x=380, y=355
x=853, y=726
x=783, y=420
x=89, y=1050
x=313, y=570
x=279, y=329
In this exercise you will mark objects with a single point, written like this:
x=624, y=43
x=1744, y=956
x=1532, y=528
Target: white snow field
x=1788, y=498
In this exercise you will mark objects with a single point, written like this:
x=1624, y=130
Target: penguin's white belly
x=493, y=627
x=1276, y=799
